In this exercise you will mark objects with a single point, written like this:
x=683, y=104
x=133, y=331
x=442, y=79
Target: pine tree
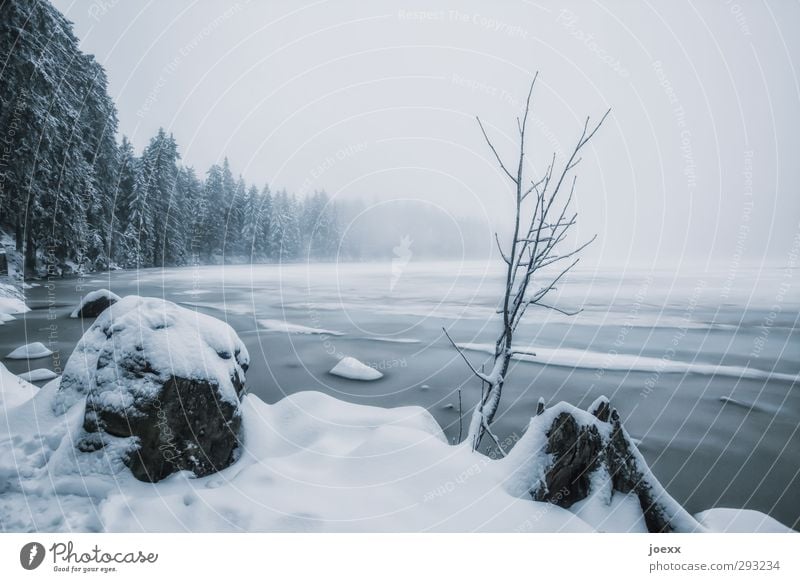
x=251, y=223
x=194, y=208
x=125, y=183
x=213, y=213
x=263, y=238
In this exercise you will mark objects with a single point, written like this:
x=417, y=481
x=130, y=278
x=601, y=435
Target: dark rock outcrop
x=167, y=379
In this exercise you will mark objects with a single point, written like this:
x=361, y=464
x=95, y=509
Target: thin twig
x=494, y=151
x=461, y=352
x=460, y=417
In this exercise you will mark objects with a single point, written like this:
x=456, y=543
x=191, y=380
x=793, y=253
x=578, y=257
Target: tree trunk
x=30, y=254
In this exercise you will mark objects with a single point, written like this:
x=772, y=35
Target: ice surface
x=350, y=368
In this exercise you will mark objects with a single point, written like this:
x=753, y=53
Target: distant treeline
x=74, y=197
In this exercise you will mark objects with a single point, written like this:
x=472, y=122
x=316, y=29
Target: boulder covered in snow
x=164, y=377
x=586, y=461
x=94, y=303
x=350, y=368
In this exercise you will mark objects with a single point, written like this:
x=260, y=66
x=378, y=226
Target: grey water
x=703, y=366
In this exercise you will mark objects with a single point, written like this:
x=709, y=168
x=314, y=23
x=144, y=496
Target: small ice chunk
x=30, y=352
x=350, y=368
x=38, y=375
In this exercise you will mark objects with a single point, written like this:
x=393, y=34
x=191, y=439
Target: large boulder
x=167, y=379
x=568, y=455
x=94, y=303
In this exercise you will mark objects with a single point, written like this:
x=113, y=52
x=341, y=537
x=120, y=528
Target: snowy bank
x=14, y=391
x=11, y=301
x=308, y=463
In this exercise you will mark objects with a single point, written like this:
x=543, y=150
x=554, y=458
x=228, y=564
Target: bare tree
x=536, y=244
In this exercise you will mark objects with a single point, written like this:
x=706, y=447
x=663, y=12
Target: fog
x=377, y=102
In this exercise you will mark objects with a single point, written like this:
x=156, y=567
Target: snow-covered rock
x=31, y=351
x=38, y=375
x=14, y=390
x=165, y=380
x=572, y=457
x=350, y=368
x=94, y=303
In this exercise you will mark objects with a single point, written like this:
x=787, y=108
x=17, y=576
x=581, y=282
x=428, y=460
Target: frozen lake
x=703, y=366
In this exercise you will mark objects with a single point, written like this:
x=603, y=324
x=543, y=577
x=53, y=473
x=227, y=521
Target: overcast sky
x=697, y=163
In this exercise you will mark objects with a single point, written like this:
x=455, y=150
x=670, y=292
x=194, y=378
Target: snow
x=573, y=358
x=350, y=368
x=170, y=339
x=11, y=301
x=309, y=463
x=92, y=297
x=13, y=389
x=38, y=375
x=739, y=521
x=393, y=340
x=30, y=352
x=279, y=325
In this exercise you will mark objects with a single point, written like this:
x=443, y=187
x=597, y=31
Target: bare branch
x=494, y=151
x=500, y=248
x=493, y=437
x=461, y=353
x=569, y=254
x=554, y=308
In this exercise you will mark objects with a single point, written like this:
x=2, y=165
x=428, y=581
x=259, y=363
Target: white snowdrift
x=38, y=375
x=572, y=358
x=30, y=352
x=14, y=390
x=739, y=521
x=285, y=327
x=350, y=368
x=309, y=463
x=93, y=296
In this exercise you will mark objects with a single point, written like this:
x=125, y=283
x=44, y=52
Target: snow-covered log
x=571, y=457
